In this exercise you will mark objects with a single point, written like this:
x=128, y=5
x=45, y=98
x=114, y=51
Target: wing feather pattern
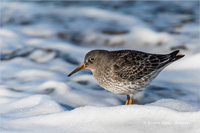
x=133, y=65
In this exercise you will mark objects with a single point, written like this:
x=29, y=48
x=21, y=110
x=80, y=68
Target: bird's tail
x=175, y=56
x=169, y=58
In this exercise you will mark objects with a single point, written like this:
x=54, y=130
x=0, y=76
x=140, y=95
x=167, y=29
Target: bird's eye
x=92, y=59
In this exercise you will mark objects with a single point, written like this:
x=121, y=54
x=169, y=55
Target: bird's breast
x=107, y=79
x=104, y=76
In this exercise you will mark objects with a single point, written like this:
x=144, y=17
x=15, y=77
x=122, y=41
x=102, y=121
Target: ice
x=42, y=42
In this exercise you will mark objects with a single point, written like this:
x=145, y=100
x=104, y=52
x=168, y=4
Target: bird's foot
x=127, y=100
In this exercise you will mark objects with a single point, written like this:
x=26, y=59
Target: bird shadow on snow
x=152, y=94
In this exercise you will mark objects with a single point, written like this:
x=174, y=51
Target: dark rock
x=183, y=47
x=49, y=90
x=160, y=43
x=24, y=52
x=14, y=89
x=26, y=22
x=6, y=56
x=114, y=31
x=62, y=35
x=83, y=82
x=173, y=32
x=116, y=7
x=77, y=39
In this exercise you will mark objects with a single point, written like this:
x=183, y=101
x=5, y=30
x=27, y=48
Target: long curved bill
x=82, y=66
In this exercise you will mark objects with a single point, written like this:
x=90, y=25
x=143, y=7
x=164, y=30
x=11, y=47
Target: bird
x=126, y=72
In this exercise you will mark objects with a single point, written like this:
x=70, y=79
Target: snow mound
x=30, y=106
x=175, y=105
x=131, y=118
x=76, y=95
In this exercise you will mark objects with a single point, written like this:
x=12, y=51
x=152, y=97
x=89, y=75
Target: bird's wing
x=134, y=65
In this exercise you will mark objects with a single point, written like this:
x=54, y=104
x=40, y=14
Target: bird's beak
x=82, y=66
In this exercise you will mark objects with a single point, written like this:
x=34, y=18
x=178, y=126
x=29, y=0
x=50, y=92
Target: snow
x=44, y=41
x=42, y=56
x=105, y=119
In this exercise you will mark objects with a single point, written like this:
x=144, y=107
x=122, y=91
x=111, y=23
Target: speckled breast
x=111, y=82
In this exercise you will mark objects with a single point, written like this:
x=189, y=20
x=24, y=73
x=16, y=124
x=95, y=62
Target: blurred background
x=42, y=41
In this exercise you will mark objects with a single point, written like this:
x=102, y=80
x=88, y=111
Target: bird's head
x=92, y=60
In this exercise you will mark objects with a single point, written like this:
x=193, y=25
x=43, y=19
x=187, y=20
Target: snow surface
x=129, y=118
x=45, y=41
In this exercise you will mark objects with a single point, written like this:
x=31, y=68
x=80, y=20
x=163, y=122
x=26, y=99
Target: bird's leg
x=127, y=100
x=131, y=100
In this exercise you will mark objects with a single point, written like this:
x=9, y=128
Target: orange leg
x=127, y=100
x=131, y=101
